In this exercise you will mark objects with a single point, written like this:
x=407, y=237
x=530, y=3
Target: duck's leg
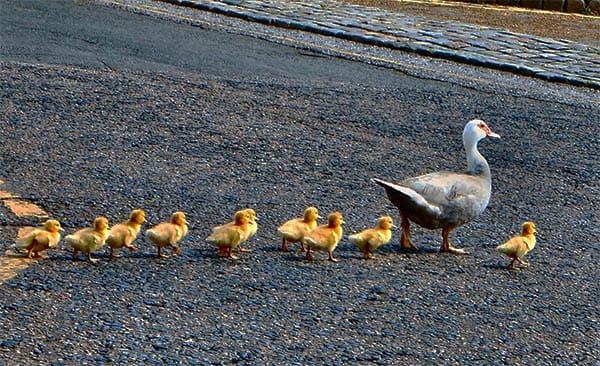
x=331, y=257
x=89, y=257
x=309, y=255
x=405, y=242
x=446, y=247
x=230, y=253
x=284, y=247
x=512, y=264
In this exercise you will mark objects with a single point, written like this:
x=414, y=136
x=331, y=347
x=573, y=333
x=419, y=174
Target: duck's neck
x=476, y=163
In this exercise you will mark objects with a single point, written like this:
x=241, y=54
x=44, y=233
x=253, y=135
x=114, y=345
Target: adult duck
x=445, y=200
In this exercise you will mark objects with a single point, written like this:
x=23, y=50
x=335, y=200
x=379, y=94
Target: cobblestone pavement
x=549, y=59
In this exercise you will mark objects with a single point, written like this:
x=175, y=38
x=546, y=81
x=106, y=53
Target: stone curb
x=546, y=59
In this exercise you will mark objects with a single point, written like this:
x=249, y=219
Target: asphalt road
x=105, y=110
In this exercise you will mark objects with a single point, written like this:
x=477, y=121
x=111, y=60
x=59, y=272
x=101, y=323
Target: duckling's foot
x=368, y=255
x=309, y=256
x=176, y=250
x=512, y=267
x=331, y=258
x=40, y=256
x=244, y=249
x=453, y=250
x=526, y=264
x=232, y=256
x=93, y=260
x=284, y=247
x=131, y=248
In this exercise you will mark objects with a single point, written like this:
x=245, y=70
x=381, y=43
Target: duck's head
x=385, y=222
x=528, y=228
x=52, y=226
x=138, y=216
x=476, y=130
x=251, y=214
x=241, y=217
x=100, y=223
x=311, y=213
x=335, y=219
x=178, y=218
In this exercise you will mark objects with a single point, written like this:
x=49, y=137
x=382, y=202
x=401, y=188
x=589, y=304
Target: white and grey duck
x=443, y=199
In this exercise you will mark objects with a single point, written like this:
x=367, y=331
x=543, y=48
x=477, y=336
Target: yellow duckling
x=294, y=230
x=40, y=239
x=249, y=232
x=124, y=234
x=325, y=237
x=370, y=239
x=168, y=233
x=519, y=245
x=229, y=236
x=89, y=239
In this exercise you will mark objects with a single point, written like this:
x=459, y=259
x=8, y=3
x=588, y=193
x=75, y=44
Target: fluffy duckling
x=229, y=236
x=124, y=234
x=519, y=245
x=249, y=232
x=40, y=239
x=370, y=239
x=168, y=233
x=294, y=230
x=89, y=239
x=325, y=237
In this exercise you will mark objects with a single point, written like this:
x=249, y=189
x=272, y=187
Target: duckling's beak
x=394, y=226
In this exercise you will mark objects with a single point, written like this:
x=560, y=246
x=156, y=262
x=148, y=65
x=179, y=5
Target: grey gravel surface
x=83, y=140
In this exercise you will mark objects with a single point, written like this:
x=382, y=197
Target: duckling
x=325, y=237
x=169, y=233
x=89, y=239
x=519, y=245
x=229, y=236
x=294, y=230
x=250, y=231
x=124, y=234
x=40, y=239
x=370, y=239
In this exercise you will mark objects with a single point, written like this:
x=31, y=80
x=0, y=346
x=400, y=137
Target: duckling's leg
x=176, y=249
x=89, y=257
x=309, y=255
x=30, y=251
x=159, y=254
x=240, y=249
x=367, y=252
x=512, y=264
x=75, y=253
x=111, y=254
x=284, y=247
x=405, y=242
x=230, y=253
x=446, y=247
x=40, y=255
x=522, y=262
x=331, y=257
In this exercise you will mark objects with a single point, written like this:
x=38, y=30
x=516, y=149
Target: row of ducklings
x=230, y=236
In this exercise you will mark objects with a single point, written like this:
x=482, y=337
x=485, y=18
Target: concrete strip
x=25, y=208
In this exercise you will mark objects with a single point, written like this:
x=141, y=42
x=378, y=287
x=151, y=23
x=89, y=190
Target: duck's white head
x=476, y=130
